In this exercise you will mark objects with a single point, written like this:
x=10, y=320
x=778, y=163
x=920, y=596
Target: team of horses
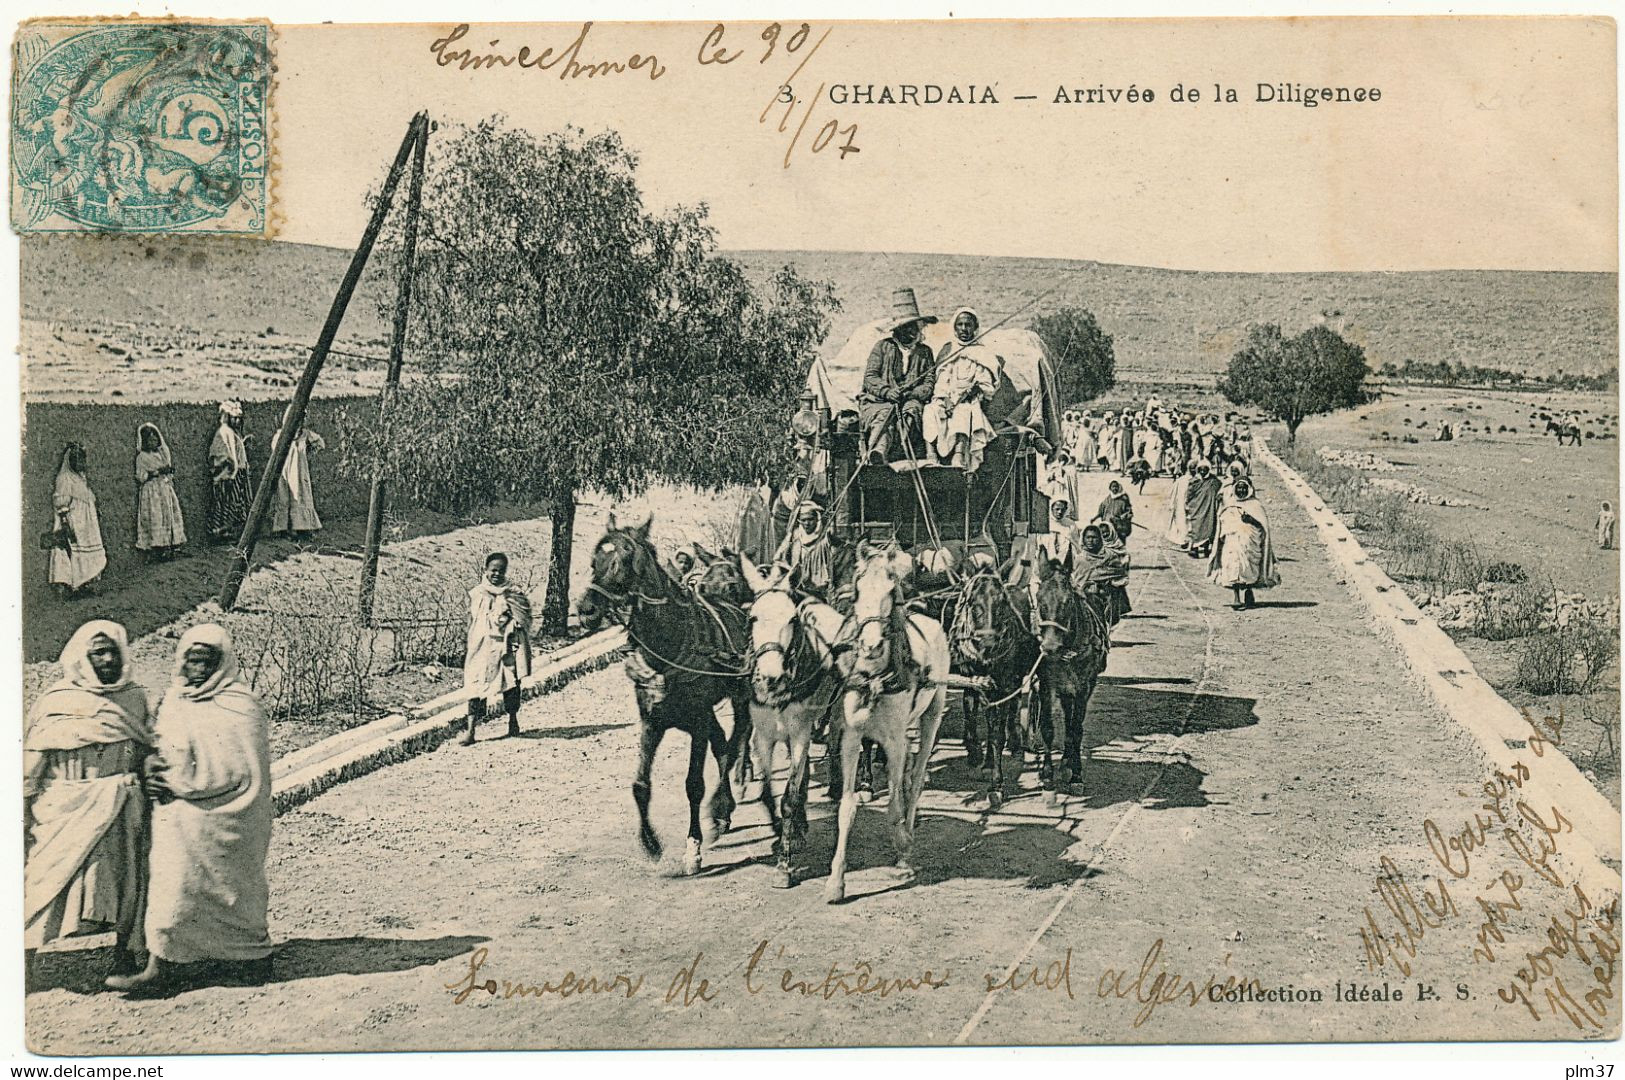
x=1027, y=656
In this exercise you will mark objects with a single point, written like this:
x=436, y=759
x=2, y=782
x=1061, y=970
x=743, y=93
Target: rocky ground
x=1252, y=817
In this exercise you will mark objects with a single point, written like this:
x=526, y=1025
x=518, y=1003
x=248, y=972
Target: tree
x=563, y=339
x=1311, y=374
x=1084, y=363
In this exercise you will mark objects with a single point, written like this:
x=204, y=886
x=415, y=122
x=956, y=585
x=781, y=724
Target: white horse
x=794, y=681
x=886, y=694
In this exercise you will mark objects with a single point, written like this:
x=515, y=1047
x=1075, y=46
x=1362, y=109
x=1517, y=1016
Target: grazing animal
x=894, y=675
x=688, y=656
x=990, y=635
x=794, y=684
x=1567, y=433
x=1074, y=641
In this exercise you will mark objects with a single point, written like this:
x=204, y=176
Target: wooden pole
x=307, y=381
x=397, y=348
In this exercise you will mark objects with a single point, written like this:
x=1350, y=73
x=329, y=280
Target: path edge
x=1453, y=684
x=299, y=777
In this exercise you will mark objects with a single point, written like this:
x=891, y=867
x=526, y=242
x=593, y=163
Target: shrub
x=1517, y=613
x=303, y=652
x=1602, y=713
x=1596, y=644
x=1567, y=659
x=1509, y=573
x=1545, y=665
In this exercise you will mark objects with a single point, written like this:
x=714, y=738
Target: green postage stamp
x=141, y=127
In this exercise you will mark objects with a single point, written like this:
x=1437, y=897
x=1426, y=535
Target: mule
x=1567, y=434
x=688, y=656
x=893, y=672
x=794, y=684
x=991, y=636
x=1073, y=641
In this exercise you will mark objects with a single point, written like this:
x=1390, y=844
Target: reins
x=1025, y=686
x=632, y=600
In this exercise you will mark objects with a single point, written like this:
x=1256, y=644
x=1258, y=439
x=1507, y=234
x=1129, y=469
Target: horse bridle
x=801, y=641
x=622, y=602
x=1068, y=629
x=965, y=595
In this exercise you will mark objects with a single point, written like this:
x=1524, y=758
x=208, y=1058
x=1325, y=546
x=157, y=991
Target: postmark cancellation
x=142, y=127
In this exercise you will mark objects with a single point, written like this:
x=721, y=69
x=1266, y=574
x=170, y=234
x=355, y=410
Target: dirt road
x=1250, y=772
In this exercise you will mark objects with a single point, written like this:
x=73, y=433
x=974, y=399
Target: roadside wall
x=1449, y=679
x=107, y=432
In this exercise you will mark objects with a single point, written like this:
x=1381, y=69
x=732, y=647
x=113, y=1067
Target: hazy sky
x=1493, y=145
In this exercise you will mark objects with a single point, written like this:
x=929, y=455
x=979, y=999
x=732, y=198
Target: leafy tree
x=564, y=338
x=1084, y=363
x=1294, y=378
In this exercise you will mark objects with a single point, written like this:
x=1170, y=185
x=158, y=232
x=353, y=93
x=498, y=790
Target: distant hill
x=1179, y=322
x=1164, y=322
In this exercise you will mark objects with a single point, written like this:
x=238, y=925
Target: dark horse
x=1073, y=639
x=689, y=654
x=990, y=635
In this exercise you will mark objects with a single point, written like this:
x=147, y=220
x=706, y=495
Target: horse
x=1566, y=430
x=1073, y=643
x=894, y=672
x=720, y=580
x=687, y=657
x=794, y=684
x=719, y=577
x=990, y=635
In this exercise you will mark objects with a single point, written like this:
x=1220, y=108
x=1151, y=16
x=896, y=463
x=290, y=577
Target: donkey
x=794, y=684
x=894, y=676
x=688, y=656
x=1568, y=433
x=1074, y=642
x=990, y=634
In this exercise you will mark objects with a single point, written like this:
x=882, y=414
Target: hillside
x=1190, y=322
x=1165, y=322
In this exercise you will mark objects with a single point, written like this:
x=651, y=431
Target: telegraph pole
x=313, y=367
x=397, y=348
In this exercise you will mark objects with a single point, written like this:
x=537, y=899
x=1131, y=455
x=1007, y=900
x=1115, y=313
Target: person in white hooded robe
x=498, y=658
x=78, y=556
x=211, y=828
x=294, y=510
x=84, y=812
x=160, y=528
x=1243, y=556
x=955, y=423
x=1085, y=443
x=1178, y=531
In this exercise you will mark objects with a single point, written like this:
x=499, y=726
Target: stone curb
x=1454, y=685
x=298, y=777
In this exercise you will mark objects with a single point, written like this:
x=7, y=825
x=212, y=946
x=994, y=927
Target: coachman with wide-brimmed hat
x=897, y=382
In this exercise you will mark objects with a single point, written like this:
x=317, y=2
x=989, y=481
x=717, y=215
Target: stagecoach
x=943, y=514
x=927, y=506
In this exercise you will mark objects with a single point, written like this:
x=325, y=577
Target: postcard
x=804, y=534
